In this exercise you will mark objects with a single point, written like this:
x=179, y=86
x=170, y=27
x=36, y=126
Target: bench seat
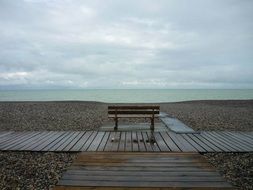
x=132, y=116
x=117, y=112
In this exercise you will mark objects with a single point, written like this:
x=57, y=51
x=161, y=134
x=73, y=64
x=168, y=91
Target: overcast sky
x=126, y=44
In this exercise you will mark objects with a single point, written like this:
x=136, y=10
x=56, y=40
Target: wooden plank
x=181, y=142
x=61, y=141
x=209, y=143
x=146, y=142
x=115, y=143
x=225, y=142
x=50, y=146
x=5, y=133
x=143, y=178
x=129, y=146
x=237, y=136
x=67, y=141
x=140, y=139
x=141, y=170
x=160, y=142
x=96, y=142
x=139, y=159
x=143, y=155
x=243, y=135
x=241, y=139
x=230, y=142
x=129, y=112
x=153, y=164
x=35, y=140
x=133, y=107
x=78, y=146
x=41, y=141
x=47, y=141
x=143, y=183
x=138, y=188
x=135, y=141
x=19, y=143
x=142, y=173
x=26, y=142
x=12, y=139
x=10, y=144
x=217, y=142
x=152, y=144
x=247, y=136
x=122, y=141
x=237, y=140
x=193, y=143
x=133, y=116
x=199, y=142
x=103, y=142
x=89, y=141
x=170, y=143
x=73, y=142
x=109, y=143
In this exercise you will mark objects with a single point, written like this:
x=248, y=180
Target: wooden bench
x=117, y=112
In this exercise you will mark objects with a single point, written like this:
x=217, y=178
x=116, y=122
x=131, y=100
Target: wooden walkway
x=73, y=141
x=101, y=170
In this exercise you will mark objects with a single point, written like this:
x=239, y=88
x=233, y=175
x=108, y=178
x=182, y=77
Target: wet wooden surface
x=129, y=170
x=126, y=141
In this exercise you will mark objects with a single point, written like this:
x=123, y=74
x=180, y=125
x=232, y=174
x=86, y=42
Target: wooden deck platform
x=115, y=170
x=74, y=141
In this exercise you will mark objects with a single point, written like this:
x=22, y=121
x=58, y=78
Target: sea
x=127, y=95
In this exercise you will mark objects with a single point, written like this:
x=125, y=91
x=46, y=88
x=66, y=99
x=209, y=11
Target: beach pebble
x=237, y=168
x=32, y=170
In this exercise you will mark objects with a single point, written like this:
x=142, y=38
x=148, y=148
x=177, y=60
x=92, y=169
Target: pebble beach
x=16, y=173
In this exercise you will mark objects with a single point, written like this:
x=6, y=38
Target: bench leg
x=151, y=138
x=116, y=124
x=152, y=126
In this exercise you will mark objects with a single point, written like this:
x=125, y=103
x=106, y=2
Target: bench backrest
x=151, y=110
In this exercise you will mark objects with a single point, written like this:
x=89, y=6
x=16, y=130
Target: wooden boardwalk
x=74, y=141
x=122, y=170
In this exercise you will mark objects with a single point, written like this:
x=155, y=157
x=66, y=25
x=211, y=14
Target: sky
x=94, y=44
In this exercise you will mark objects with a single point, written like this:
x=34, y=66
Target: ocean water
x=125, y=95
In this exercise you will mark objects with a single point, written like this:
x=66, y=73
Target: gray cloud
x=126, y=44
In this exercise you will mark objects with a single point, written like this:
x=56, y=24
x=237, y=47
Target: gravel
x=213, y=115
x=237, y=168
x=200, y=115
x=20, y=116
x=32, y=170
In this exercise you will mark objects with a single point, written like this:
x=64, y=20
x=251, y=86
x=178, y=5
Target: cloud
x=126, y=44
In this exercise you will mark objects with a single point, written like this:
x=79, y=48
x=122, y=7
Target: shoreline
x=101, y=102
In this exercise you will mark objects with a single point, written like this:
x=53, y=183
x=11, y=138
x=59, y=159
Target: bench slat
x=133, y=107
x=129, y=112
x=133, y=116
